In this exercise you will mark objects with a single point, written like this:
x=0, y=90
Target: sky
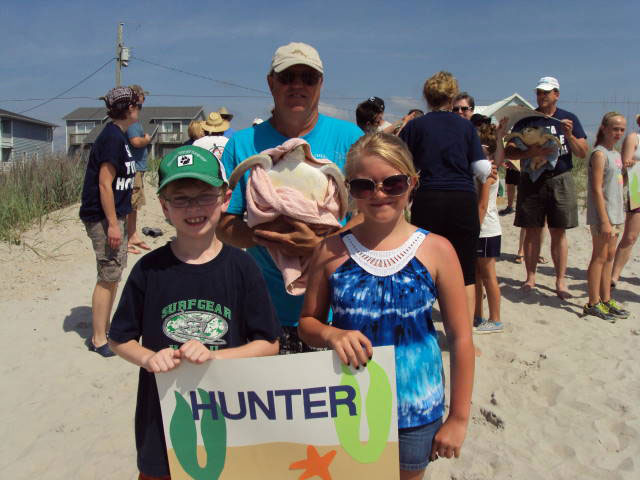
x=386, y=49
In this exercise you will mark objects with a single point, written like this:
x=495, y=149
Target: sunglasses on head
x=393, y=186
x=308, y=77
x=461, y=109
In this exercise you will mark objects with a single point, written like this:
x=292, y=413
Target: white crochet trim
x=383, y=263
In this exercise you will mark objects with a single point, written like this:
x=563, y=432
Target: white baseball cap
x=296, y=53
x=548, y=83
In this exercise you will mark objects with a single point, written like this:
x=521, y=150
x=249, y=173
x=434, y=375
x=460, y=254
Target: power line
x=70, y=88
x=179, y=70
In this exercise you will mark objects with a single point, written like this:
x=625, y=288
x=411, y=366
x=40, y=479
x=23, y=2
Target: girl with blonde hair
x=381, y=279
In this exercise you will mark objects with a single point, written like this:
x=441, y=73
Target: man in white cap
x=295, y=80
x=551, y=199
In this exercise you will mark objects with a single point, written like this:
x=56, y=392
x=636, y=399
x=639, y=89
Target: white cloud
x=336, y=112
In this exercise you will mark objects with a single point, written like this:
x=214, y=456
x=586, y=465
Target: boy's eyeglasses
x=201, y=200
x=308, y=77
x=461, y=109
x=393, y=186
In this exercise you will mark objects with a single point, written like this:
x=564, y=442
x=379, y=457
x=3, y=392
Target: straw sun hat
x=214, y=123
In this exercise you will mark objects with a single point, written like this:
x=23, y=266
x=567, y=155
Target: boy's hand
x=348, y=345
x=448, y=440
x=162, y=361
x=195, y=352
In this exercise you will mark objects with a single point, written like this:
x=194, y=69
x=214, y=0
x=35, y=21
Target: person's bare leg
x=511, y=194
x=559, y=254
x=478, y=294
x=521, y=244
x=489, y=279
x=101, y=304
x=412, y=474
x=531, y=254
x=594, y=272
x=605, y=279
x=625, y=247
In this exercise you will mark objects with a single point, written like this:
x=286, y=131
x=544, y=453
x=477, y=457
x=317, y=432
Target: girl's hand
x=606, y=229
x=348, y=344
x=448, y=440
x=162, y=361
x=195, y=352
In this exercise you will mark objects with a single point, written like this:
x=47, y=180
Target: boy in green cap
x=194, y=300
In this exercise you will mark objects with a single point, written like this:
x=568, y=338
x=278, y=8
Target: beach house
x=23, y=138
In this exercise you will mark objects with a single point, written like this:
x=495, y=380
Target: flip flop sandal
x=519, y=258
x=542, y=260
x=133, y=250
x=142, y=245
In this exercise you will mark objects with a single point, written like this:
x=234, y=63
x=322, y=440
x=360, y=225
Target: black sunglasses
x=393, y=186
x=461, y=109
x=308, y=77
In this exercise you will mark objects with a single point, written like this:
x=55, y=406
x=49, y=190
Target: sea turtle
x=299, y=170
x=534, y=136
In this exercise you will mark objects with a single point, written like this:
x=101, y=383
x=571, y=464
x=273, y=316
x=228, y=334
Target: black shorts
x=512, y=177
x=489, y=247
x=551, y=198
x=454, y=215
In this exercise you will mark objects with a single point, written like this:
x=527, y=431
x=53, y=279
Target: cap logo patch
x=184, y=160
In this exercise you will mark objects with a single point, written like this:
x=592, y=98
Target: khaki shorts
x=137, y=194
x=110, y=263
x=550, y=199
x=615, y=229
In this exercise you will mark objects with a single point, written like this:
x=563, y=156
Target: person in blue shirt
x=551, y=199
x=139, y=141
x=295, y=80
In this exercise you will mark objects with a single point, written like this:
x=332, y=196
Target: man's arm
x=233, y=230
x=140, y=142
x=105, y=180
x=579, y=146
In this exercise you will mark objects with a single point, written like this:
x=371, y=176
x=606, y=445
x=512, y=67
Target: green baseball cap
x=189, y=161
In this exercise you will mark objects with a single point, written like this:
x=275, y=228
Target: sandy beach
x=556, y=396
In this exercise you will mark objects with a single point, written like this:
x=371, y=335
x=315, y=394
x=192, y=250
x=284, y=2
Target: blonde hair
x=195, y=130
x=385, y=146
x=606, y=118
x=440, y=89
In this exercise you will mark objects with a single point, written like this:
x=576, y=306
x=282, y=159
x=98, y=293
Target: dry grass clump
x=30, y=189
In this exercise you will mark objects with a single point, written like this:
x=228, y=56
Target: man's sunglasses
x=393, y=186
x=461, y=109
x=308, y=77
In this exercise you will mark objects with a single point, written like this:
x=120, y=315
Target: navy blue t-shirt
x=443, y=145
x=565, y=162
x=111, y=146
x=223, y=303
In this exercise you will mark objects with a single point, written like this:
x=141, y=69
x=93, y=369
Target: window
x=171, y=127
x=84, y=127
x=6, y=154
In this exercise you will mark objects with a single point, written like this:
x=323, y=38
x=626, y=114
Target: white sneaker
x=489, y=327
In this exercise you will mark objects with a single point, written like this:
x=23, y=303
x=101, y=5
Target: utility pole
x=122, y=54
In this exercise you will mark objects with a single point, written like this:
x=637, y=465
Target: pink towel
x=266, y=202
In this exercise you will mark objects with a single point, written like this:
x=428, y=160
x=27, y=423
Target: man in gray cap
x=295, y=80
x=551, y=199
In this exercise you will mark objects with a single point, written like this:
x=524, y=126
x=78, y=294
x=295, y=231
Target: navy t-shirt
x=164, y=300
x=111, y=146
x=565, y=162
x=443, y=145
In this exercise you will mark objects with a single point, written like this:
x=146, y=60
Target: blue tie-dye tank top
x=388, y=296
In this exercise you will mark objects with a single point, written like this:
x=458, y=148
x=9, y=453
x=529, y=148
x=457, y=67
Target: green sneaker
x=616, y=309
x=599, y=310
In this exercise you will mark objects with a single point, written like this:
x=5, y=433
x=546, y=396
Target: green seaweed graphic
x=182, y=431
x=378, y=410
x=634, y=189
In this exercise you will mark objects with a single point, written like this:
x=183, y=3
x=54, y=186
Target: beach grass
x=31, y=189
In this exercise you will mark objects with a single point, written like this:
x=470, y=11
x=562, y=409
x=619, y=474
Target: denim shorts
x=415, y=445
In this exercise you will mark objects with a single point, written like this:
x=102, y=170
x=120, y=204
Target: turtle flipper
x=260, y=159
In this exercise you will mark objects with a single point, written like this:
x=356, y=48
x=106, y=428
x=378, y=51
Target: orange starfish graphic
x=314, y=464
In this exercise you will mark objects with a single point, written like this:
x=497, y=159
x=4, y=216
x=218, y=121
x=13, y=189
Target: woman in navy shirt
x=444, y=147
